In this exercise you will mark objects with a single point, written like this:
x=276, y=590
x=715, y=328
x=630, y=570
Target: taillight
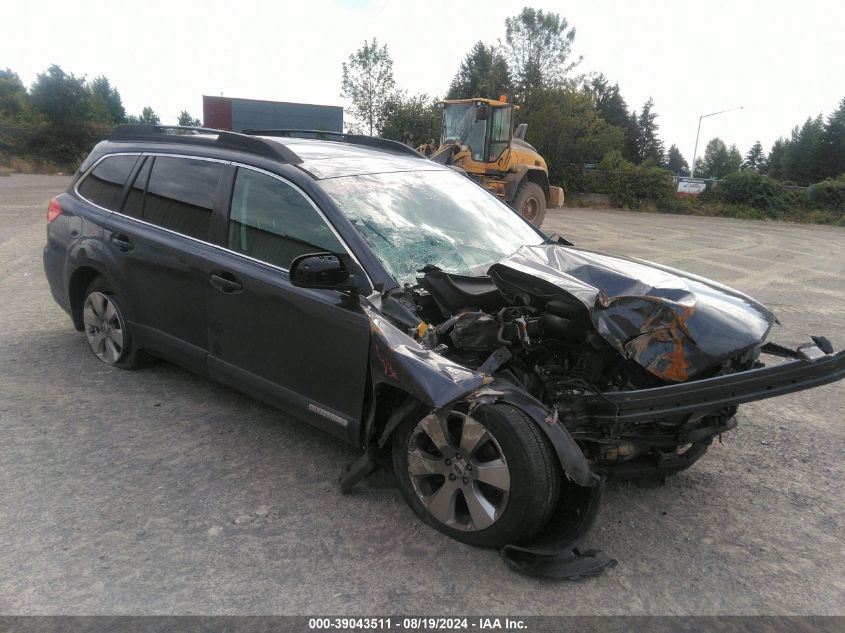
x=54, y=210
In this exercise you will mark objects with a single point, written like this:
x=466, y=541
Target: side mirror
x=482, y=113
x=322, y=270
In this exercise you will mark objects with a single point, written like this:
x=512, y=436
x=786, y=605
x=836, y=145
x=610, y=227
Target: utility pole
x=695, y=151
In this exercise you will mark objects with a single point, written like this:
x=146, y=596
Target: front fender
x=398, y=360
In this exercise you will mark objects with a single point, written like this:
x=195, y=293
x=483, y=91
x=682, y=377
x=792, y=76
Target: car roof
x=348, y=155
x=325, y=159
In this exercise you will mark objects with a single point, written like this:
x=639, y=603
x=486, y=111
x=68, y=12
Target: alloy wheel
x=458, y=471
x=104, y=327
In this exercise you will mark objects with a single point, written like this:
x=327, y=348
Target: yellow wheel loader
x=477, y=137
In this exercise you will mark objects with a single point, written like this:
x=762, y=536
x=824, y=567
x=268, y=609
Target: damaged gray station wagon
x=398, y=305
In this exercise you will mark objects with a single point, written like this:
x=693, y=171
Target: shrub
x=829, y=194
x=751, y=189
x=634, y=186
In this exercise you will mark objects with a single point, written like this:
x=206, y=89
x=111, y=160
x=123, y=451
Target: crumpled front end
x=676, y=325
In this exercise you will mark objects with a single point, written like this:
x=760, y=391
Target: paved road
x=158, y=492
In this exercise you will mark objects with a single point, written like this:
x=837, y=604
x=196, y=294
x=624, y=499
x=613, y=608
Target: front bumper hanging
x=697, y=398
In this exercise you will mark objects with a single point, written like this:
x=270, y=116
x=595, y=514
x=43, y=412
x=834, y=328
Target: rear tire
x=530, y=202
x=106, y=326
x=487, y=479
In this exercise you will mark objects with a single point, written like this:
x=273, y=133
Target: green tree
x=187, y=120
x=538, y=46
x=147, y=117
x=60, y=97
x=777, y=159
x=675, y=161
x=368, y=83
x=716, y=163
x=14, y=101
x=755, y=159
x=609, y=101
x=834, y=142
x=631, y=139
x=649, y=145
x=18, y=123
x=805, y=160
x=412, y=120
x=483, y=73
x=64, y=102
x=566, y=129
x=734, y=159
x=106, y=104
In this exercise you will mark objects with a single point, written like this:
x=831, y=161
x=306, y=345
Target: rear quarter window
x=104, y=185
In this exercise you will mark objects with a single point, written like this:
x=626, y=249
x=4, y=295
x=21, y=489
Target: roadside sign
x=691, y=186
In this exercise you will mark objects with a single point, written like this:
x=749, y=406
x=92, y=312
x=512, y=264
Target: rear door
x=301, y=349
x=161, y=239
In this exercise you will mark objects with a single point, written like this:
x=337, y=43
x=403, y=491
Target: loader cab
x=482, y=125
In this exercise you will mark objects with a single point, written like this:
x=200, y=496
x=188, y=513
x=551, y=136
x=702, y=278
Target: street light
x=704, y=116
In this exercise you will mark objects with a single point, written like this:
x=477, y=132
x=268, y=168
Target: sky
x=781, y=61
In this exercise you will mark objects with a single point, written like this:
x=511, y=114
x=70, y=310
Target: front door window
x=272, y=222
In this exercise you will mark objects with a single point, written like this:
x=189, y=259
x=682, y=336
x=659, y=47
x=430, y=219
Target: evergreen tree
x=13, y=98
x=777, y=159
x=649, y=146
x=106, y=103
x=17, y=120
x=676, y=163
x=483, y=73
x=64, y=102
x=755, y=159
x=631, y=139
x=834, y=142
x=805, y=160
x=609, y=102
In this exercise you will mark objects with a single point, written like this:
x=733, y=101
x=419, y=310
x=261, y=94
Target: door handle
x=226, y=282
x=122, y=242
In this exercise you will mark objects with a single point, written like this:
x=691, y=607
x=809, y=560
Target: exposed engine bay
x=565, y=324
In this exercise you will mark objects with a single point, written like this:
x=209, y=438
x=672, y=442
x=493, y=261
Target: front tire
x=106, y=327
x=488, y=478
x=530, y=202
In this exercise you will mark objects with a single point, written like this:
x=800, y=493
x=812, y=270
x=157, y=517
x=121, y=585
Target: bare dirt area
x=158, y=492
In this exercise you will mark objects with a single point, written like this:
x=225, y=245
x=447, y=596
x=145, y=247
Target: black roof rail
x=200, y=136
x=354, y=139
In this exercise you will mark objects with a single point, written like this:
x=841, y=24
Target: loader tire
x=530, y=202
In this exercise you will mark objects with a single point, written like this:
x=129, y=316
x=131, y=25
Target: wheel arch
x=79, y=280
x=391, y=406
x=523, y=173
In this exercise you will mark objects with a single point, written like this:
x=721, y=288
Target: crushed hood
x=673, y=323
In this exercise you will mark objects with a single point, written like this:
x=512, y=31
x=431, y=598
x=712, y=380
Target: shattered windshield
x=439, y=218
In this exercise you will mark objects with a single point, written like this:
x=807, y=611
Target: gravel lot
x=157, y=492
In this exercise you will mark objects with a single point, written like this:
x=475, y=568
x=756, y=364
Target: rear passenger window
x=180, y=195
x=104, y=185
x=271, y=221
